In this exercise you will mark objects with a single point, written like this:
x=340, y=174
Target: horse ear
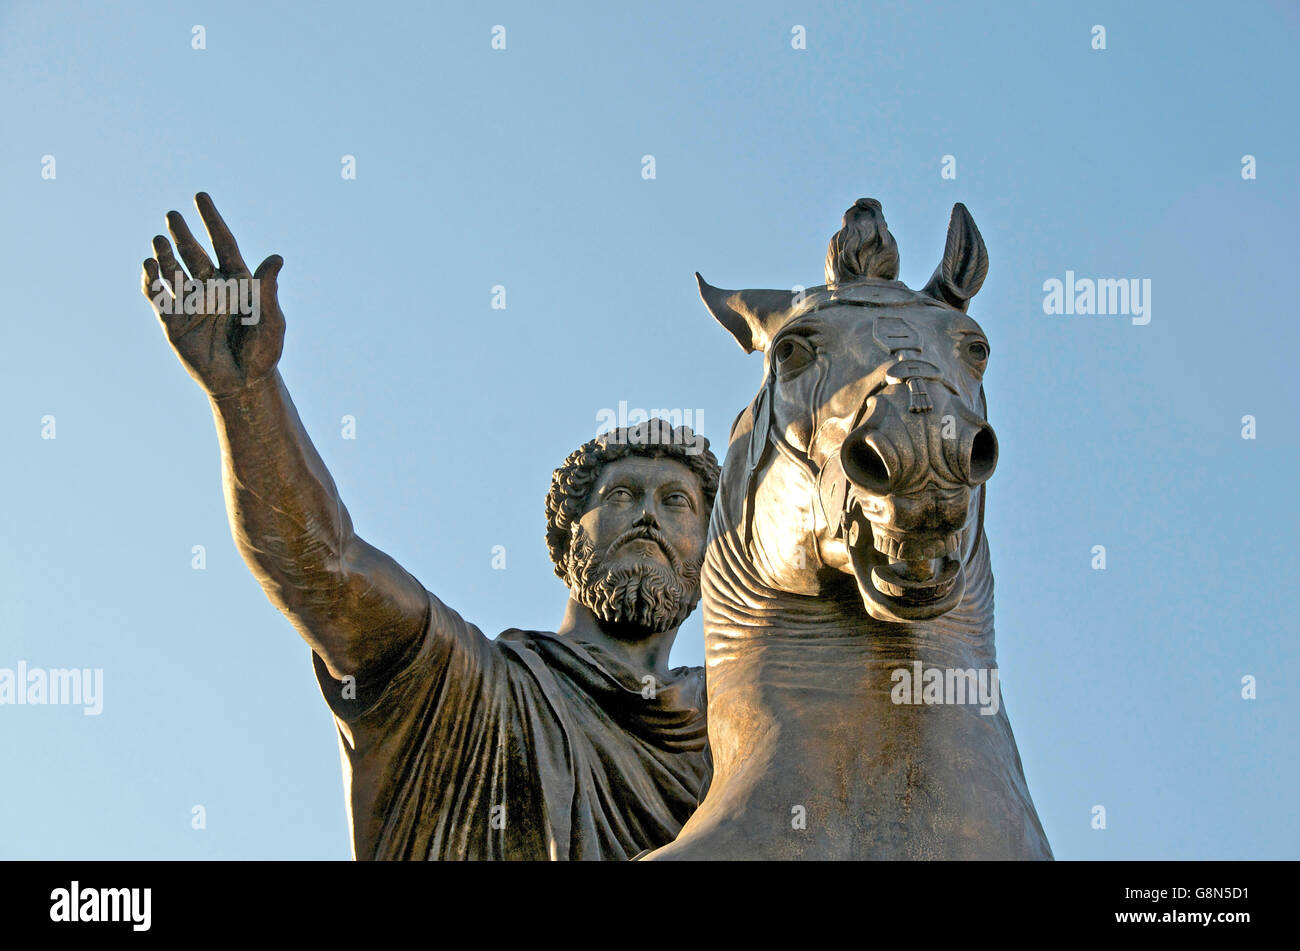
x=965, y=263
x=751, y=316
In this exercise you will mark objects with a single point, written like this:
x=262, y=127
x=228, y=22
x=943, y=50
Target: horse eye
x=978, y=351
x=792, y=355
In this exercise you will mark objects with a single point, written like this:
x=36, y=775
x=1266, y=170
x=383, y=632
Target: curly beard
x=646, y=595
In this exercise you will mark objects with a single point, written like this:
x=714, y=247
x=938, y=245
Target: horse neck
x=787, y=667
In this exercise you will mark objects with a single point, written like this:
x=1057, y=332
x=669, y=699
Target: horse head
x=865, y=450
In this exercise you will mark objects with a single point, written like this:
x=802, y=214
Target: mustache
x=649, y=533
x=648, y=595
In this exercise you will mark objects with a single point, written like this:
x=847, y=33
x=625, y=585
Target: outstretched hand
x=224, y=323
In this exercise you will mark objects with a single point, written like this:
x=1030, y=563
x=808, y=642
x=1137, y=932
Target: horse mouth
x=905, y=577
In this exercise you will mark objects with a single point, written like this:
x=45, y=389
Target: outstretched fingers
x=170, y=270
x=152, y=288
x=192, y=253
x=223, y=242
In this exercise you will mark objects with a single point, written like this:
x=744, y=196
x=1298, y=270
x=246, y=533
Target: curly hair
x=571, y=484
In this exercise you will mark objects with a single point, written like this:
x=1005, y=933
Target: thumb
x=269, y=270
x=267, y=276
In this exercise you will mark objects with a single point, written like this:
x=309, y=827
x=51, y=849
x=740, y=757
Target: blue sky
x=523, y=168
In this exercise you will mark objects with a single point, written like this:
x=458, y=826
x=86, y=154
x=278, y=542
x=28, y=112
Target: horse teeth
x=888, y=581
x=889, y=588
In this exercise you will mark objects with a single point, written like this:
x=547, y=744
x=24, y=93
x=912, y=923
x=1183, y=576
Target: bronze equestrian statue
x=846, y=556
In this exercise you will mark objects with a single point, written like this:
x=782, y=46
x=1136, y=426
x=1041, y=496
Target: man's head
x=626, y=520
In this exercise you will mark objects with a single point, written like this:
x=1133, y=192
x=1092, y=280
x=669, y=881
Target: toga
x=532, y=746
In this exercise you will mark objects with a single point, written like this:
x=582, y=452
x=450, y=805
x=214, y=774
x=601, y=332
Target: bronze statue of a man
x=577, y=744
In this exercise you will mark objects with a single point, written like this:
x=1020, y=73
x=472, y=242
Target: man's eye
x=618, y=495
x=678, y=498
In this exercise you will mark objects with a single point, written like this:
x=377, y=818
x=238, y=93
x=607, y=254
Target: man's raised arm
x=356, y=607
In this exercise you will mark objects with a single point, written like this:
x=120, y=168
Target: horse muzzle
x=903, y=576
x=900, y=499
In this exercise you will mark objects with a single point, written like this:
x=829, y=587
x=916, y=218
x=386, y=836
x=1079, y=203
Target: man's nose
x=889, y=450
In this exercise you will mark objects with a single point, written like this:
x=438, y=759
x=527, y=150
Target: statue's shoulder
x=688, y=673
x=689, y=687
x=515, y=636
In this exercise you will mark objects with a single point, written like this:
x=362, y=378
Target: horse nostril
x=864, y=466
x=983, y=455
